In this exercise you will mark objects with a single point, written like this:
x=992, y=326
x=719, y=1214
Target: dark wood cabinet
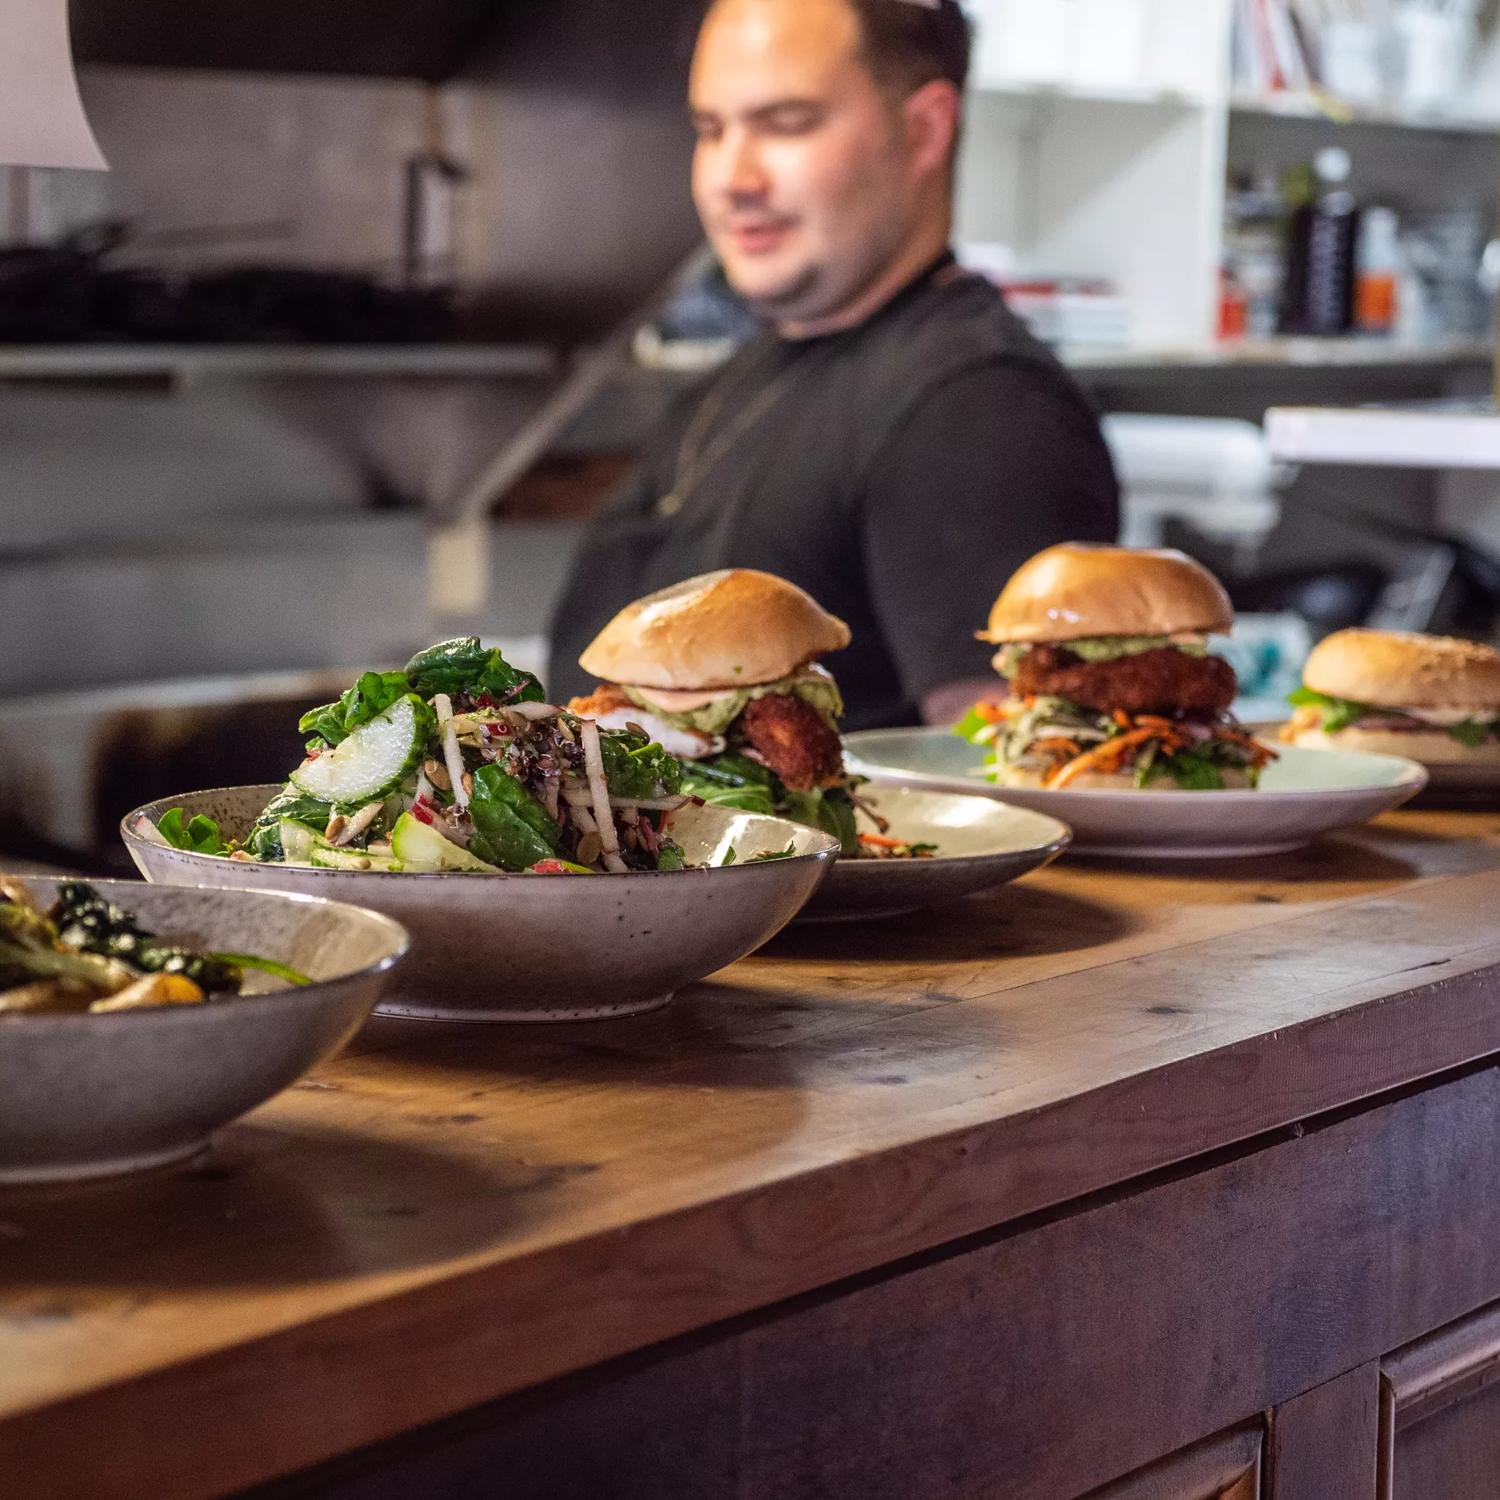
x=1440, y=1414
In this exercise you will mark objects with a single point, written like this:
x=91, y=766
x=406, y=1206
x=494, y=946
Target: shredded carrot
x=1103, y=757
x=1122, y=719
x=879, y=841
x=991, y=713
x=1059, y=743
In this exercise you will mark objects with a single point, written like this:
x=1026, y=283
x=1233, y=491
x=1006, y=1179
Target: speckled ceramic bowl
x=93, y=1096
x=540, y=948
x=980, y=845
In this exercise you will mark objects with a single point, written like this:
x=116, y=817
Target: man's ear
x=932, y=118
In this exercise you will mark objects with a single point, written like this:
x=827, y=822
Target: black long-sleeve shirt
x=899, y=471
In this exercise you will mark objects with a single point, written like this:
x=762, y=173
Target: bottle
x=1322, y=249
x=1378, y=278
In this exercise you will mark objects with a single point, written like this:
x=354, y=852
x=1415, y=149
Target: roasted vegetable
x=30, y=950
x=84, y=920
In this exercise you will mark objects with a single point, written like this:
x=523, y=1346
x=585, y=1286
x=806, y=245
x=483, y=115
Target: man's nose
x=745, y=173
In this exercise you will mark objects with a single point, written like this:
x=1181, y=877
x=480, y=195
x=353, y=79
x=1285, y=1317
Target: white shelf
x=1430, y=435
x=1286, y=353
x=1080, y=94
x=1335, y=112
x=188, y=362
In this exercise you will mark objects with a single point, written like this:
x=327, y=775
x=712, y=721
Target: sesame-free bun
x=737, y=628
x=1119, y=781
x=1389, y=669
x=1427, y=746
x=1077, y=591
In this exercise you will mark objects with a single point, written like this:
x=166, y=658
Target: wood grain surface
x=448, y=1214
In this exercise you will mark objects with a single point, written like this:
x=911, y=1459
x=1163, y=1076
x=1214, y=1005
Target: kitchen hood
x=419, y=39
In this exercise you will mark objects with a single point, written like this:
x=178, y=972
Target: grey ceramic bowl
x=539, y=948
x=93, y=1096
x=980, y=845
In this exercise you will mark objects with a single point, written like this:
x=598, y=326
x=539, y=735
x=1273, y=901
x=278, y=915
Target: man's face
x=801, y=176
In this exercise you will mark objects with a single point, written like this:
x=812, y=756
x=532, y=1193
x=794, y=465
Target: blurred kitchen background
x=381, y=296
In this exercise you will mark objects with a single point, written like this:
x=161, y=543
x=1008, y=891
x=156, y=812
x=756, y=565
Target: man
x=895, y=441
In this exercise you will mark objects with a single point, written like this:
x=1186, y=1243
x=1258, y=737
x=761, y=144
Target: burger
x=722, y=671
x=1111, y=682
x=1429, y=698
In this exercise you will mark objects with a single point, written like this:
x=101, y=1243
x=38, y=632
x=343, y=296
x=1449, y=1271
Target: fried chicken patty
x=605, y=699
x=1161, y=681
x=793, y=740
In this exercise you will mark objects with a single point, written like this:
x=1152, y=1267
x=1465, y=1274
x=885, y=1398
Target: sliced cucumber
x=421, y=847
x=326, y=857
x=373, y=761
x=297, y=841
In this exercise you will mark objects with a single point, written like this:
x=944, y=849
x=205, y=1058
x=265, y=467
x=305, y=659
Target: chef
x=894, y=440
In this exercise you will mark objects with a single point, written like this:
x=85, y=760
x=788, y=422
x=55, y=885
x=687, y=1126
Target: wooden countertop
x=449, y=1214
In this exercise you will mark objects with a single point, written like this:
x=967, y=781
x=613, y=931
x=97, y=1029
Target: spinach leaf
x=637, y=767
x=670, y=856
x=1194, y=773
x=264, y=839
x=790, y=852
x=1473, y=733
x=1338, y=713
x=464, y=666
x=491, y=784
x=756, y=799
x=366, y=700
x=201, y=836
x=832, y=811
x=735, y=770
x=511, y=828
x=970, y=726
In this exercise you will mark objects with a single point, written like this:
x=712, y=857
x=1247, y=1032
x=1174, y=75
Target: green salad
x=457, y=763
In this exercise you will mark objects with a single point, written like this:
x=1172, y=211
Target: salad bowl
x=94, y=1095
x=527, y=947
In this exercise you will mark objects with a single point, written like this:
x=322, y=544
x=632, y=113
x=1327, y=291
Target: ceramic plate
x=93, y=1096
x=540, y=947
x=1305, y=794
x=1448, y=786
x=980, y=845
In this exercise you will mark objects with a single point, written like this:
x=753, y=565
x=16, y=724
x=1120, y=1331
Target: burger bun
x=1078, y=591
x=736, y=628
x=1392, y=669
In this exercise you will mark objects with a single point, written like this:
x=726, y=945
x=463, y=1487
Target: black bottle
x=1322, y=252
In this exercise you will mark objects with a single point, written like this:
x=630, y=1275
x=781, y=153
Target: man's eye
x=794, y=119
x=707, y=130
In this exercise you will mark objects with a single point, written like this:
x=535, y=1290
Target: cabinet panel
x=1227, y=1467
x=1440, y=1414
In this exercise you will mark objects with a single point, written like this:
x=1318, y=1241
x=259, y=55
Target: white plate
x=539, y=947
x=1452, y=784
x=981, y=845
x=1305, y=794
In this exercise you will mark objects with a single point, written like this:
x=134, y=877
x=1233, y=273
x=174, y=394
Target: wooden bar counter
x=1175, y=1181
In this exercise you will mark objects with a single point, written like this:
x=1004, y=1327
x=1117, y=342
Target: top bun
x=738, y=628
x=1077, y=591
x=1390, y=669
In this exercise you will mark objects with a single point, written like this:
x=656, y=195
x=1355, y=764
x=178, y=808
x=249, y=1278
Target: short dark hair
x=908, y=43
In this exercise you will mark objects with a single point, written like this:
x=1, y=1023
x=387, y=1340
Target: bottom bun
x=1095, y=781
x=1429, y=747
